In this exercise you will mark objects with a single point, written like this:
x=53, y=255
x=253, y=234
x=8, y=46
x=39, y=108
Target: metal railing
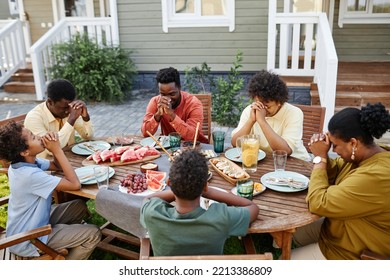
x=102, y=30
x=301, y=44
x=12, y=48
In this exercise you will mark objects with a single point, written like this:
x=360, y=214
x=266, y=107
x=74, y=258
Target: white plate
x=263, y=188
x=284, y=174
x=144, y=193
x=203, y=201
x=233, y=154
x=150, y=142
x=80, y=149
x=88, y=171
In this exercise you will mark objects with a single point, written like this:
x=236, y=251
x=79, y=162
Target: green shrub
x=198, y=79
x=227, y=103
x=99, y=73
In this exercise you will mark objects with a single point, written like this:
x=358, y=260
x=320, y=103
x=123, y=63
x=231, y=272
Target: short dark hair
x=371, y=121
x=168, y=75
x=59, y=89
x=12, y=142
x=188, y=175
x=268, y=86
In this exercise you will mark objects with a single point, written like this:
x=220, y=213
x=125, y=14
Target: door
x=72, y=8
x=315, y=6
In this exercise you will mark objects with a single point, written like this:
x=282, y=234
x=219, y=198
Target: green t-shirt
x=199, y=232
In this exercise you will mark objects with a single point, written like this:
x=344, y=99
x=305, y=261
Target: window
x=364, y=11
x=198, y=13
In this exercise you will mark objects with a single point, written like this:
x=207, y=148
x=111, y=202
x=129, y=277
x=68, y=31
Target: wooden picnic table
x=281, y=213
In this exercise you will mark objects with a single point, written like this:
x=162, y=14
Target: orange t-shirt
x=188, y=114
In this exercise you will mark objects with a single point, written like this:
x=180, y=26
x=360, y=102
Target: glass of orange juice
x=250, y=145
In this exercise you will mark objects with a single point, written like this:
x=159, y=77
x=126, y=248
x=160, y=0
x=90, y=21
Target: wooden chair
x=206, y=125
x=147, y=249
x=32, y=235
x=313, y=121
x=368, y=255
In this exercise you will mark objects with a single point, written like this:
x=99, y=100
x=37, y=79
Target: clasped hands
x=78, y=108
x=51, y=141
x=164, y=106
x=258, y=111
x=319, y=144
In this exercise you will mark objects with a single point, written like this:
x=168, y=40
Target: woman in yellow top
x=279, y=123
x=351, y=192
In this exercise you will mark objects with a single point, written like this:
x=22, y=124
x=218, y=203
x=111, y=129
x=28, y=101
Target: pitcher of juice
x=250, y=145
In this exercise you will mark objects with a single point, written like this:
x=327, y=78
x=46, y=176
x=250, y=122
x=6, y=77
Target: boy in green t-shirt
x=186, y=228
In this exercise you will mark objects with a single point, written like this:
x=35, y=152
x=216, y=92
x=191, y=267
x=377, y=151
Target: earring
x=353, y=153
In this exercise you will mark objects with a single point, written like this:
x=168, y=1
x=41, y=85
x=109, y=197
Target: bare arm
x=275, y=141
x=166, y=195
x=232, y=200
x=70, y=181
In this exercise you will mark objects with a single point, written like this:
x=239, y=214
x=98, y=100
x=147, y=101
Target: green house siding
x=140, y=28
x=361, y=42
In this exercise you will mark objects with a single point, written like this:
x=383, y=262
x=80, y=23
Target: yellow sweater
x=356, y=203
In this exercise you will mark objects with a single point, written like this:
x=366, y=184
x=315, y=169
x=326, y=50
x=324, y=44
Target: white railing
x=103, y=30
x=298, y=38
x=12, y=48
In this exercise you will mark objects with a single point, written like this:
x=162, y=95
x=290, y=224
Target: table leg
x=284, y=240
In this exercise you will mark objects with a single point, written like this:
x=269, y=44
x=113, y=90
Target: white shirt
x=287, y=122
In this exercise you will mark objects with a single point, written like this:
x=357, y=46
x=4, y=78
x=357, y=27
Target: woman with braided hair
x=350, y=192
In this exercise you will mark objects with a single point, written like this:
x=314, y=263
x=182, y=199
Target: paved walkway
x=108, y=119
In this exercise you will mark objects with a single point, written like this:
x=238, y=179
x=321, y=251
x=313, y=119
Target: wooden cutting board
x=86, y=162
x=233, y=166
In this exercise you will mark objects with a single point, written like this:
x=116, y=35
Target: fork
x=88, y=147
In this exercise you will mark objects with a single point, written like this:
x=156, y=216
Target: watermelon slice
x=106, y=154
x=156, y=176
x=129, y=155
x=121, y=150
x=96, y=157
x=154, y=185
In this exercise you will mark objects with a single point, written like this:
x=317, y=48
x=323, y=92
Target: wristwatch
x=319, y=159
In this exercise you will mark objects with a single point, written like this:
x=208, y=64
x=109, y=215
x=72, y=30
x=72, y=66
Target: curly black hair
x=12, y=143
x=371, y=121
x=168, y=75
x=188, y=175
x=268, y=87
x=59, y=89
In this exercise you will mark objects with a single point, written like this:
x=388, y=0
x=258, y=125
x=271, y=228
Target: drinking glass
x=102, y=176
x=239, y=150
x=245, y=189
x=219, y=141
x=174, y=139
x=250, y=145
x=280, y=159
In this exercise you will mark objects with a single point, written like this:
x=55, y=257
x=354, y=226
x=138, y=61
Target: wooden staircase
x=359, y=83
x=21, y=82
